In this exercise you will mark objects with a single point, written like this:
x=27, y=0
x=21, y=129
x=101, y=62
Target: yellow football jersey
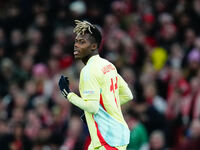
x=100, y=82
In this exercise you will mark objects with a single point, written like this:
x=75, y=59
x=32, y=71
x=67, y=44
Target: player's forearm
x=125, y=93
x=125, y=96
x=89, y=106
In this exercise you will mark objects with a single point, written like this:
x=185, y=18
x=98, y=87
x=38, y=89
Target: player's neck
x=85, y=59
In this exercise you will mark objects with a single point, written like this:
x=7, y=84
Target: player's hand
x=64, y=86
x=83, y=119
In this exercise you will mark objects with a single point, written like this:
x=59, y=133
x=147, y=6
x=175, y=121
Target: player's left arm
x=84, y=104
x=90, y=96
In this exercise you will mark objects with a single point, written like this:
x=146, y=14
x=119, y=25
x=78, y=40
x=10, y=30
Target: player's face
x=82, y=46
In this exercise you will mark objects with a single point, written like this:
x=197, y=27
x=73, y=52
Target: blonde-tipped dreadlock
x=82, y=26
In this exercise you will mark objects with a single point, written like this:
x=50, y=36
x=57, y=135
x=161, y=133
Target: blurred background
x=155, y=45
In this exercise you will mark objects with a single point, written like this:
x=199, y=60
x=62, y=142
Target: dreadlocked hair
x=85, y=27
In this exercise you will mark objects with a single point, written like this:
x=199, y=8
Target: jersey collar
x=92, y=58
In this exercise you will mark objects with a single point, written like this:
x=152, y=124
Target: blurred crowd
x=155, y=45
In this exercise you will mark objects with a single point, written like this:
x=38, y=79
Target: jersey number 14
x=113, y=87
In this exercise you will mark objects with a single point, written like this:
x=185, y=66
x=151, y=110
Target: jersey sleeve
x=125, y=93
x=90, y=87
x=89, y=106
x=90, y=92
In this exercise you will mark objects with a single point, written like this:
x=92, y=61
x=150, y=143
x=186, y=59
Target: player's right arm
x=125, y=93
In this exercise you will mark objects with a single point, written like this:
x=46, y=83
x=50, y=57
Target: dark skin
x=84, y=47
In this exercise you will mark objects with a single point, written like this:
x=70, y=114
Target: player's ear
x=94, y=46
